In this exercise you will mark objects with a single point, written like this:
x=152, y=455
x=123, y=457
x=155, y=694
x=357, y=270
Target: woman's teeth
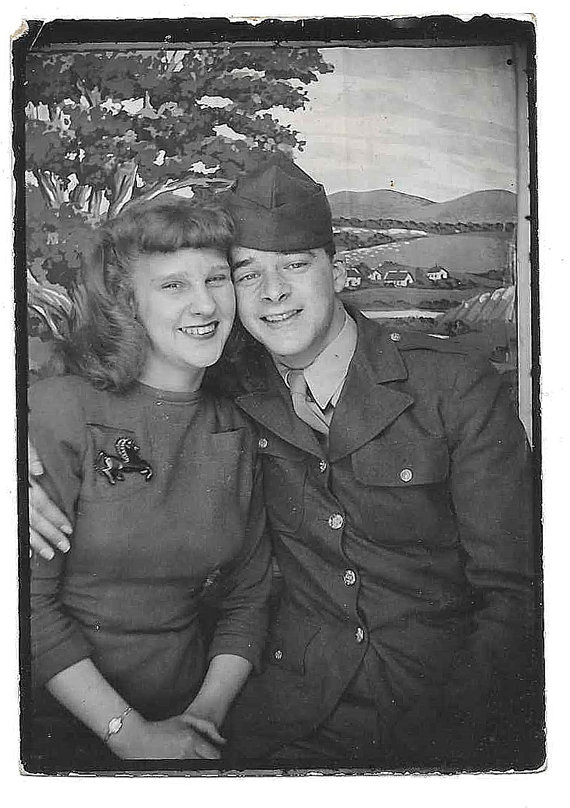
x=199, y=330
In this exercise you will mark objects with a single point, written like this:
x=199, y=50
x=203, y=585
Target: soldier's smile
x=280, y=319
x=287, y=301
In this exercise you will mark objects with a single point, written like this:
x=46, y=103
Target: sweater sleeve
x=242, y=618
x=56, y=429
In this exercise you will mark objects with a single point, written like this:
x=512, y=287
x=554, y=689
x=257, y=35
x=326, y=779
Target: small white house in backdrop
x=375, y=276
x=353, y=279
x=437, y=273
x=398, y=278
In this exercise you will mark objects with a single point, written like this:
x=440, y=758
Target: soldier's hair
x=107, y=345
x=330, y=249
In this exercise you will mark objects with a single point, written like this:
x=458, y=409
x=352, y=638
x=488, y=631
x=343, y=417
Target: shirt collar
x=326, y=374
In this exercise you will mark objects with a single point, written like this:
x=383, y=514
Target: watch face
x=115, y=725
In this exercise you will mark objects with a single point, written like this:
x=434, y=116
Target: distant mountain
x=479, y=206
x=383, y=204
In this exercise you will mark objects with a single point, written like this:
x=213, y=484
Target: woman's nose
x=202, y=301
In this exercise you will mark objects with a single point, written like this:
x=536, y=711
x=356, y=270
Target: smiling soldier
x=396, y=480
x=398, y=493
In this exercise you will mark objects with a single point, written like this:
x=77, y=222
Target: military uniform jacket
x=407, y=538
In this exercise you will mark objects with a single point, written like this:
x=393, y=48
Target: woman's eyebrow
x=183, y=274
x=219, y=267
x=171, y=276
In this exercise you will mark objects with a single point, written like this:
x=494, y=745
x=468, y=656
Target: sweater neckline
x=169, y=396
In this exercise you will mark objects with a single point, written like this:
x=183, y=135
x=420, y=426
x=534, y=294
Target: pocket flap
x=289, y=639
x=402, y=464
x=272, y=446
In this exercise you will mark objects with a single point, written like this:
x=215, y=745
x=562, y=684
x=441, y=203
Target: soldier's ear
x=339, y=275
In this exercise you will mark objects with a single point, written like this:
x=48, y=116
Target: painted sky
x=434, y=122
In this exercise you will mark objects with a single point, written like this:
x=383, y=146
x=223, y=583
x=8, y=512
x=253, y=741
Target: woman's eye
x=171, y=285
x=221, y=278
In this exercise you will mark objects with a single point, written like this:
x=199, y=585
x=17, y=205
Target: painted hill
x=375, y=204
x=479, y=206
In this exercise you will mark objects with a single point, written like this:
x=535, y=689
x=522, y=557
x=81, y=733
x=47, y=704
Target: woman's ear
x=128, y=296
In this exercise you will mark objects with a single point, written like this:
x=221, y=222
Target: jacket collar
x=365, y=408
x=269, y=403
x=367, y=405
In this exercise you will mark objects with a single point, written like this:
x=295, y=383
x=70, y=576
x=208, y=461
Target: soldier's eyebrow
x=246, y=262
x=294, y=253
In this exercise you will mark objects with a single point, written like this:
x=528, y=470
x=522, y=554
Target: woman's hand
x=183, y=737
x=224, y=679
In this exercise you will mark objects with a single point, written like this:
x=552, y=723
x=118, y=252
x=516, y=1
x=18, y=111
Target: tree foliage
x=107, y=127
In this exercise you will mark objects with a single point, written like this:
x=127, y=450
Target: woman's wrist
x=131, y=735
x=224, y=679
x=209, y=710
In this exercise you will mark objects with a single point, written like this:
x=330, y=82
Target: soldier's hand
x=35, y=467
x=49, y=527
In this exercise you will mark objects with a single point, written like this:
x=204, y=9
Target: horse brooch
x=128, y=460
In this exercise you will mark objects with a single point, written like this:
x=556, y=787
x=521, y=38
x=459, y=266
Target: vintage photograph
x=277, y=294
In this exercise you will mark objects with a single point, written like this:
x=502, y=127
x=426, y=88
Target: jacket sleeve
x=492, y=497
x=241, y=626
x=56, y=430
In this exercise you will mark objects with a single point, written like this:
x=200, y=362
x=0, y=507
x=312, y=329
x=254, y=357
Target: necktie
x=307, y=410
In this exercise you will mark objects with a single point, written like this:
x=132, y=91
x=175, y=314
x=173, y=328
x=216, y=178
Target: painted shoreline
x=393, y=313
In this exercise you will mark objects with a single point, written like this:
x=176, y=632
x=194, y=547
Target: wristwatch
x=115, y=725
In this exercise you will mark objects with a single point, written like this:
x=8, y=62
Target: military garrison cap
x=280, y=209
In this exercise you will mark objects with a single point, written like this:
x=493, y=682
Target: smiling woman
x=160, y=481
x=185, y=301
x=155, y=269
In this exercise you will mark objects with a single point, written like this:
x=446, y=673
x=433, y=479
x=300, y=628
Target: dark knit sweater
x=146, y=553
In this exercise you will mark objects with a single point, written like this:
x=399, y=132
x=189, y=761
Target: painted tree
x=104, y=128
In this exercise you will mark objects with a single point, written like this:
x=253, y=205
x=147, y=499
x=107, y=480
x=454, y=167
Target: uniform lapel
x=367, y=405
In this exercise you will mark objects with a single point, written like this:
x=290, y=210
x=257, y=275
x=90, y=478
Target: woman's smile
x=185, y=301
x=201, y=331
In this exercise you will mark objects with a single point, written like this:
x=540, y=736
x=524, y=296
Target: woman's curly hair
x=107, y=345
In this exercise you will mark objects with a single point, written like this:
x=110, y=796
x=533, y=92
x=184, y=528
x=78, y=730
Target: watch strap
x=115, y=725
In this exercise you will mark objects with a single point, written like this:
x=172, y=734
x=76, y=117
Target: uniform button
x=278, y=654
x=359, y=634
x=323, y=465
x=349, y=578
x=336, y=521
x=262, y=443
x=406, y=475
x=395, y=337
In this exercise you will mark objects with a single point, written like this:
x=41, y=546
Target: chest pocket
x=403, y=497
x=284, y=477
x=402, y=465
